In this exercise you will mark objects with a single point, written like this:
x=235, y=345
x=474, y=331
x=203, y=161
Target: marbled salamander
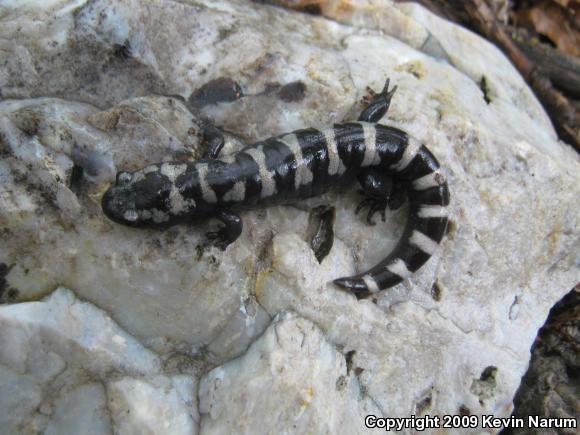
x=301, y=164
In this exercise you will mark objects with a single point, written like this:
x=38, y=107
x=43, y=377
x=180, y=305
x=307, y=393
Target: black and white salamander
x=301, y=164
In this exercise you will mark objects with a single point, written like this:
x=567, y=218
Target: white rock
x=162, y=404
x=82, y=410
x=290, y=381
x=20, y=398
x=68, y=329
x=244, y=326
x=411, y=342
x=48, y=351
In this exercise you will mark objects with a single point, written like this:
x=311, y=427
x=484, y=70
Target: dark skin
x=229, y=232
x=379, y=189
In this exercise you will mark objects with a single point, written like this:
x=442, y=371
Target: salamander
x=385, y=160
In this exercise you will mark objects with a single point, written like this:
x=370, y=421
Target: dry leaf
x=555, y=22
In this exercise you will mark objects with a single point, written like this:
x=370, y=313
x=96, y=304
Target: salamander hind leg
x=380, y=191
x=229, y=233
x=379, y=105
x=428, y=196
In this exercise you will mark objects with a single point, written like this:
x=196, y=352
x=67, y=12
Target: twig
x=562, y=69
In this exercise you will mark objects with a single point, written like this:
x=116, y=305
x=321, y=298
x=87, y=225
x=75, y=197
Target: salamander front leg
x=380, y=191
x=229, y=232
x=379, y=105
x=213, y=138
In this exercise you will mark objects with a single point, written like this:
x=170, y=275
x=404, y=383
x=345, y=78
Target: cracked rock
x=291, y=380
x=67, y=367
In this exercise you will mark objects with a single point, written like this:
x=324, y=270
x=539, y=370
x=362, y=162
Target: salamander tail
x=419, y=172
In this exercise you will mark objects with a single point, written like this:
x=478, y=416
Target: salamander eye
x=123, y=178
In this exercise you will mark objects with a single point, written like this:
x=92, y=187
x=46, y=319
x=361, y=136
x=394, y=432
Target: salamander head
x=147, y=197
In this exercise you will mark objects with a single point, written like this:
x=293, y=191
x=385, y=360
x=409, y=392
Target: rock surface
x=89, y=88
x=297, y=380
x=66, y=368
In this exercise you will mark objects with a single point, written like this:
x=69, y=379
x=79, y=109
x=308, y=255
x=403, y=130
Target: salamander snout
x=139, y=199
x=118, y=206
